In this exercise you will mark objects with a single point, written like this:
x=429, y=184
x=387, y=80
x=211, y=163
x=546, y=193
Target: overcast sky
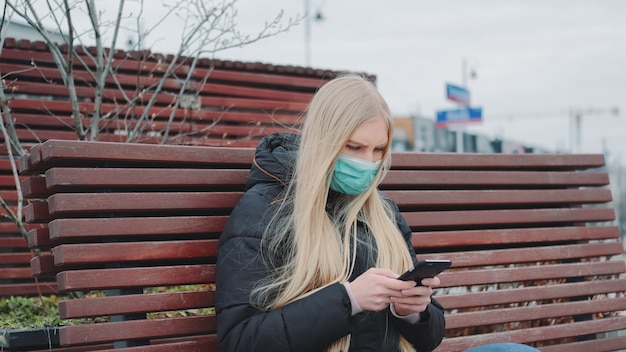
x=535, y=60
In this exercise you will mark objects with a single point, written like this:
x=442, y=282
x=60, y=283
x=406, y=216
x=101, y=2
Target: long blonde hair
x=315, y=250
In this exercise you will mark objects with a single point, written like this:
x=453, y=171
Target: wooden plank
x=530, y=293
x=36, y=211
x=14, y=258
x=132, y=304
x=163, y=251
x=96, y=347
x=13, y=242
x=162, y=154
x=525, y=255
x=542, y=333
x=43, y=266
x=135, y=329
x=140, y=202
x=488, y=197
x=443, y=219
x=519, y=179
x=533, y=312
x=485, y=237
x=204, y=343
x=28, y=289
x=600, y=345
x=15, y=273
x=39, y=238
x=531, y=272
x=144, y=177
x=140, y=73
x=95, y=279
x=9, y=227
x=64, y=108
x=34, y=187
x=62, y=229
x=472, y=161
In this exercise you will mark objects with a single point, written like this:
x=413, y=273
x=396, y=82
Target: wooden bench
x=238, y=103
x=536, y=257
x=227, y=103
x=15, y=275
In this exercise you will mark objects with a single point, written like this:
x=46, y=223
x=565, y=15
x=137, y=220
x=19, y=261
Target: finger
x=431, y=282
x=418, y=291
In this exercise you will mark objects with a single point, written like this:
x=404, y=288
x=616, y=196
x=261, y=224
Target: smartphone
x=425, y=269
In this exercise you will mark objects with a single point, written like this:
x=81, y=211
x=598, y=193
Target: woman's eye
x=352, y=147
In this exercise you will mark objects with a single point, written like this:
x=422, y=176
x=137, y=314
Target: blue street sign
x=464, y=115
x=458, y=94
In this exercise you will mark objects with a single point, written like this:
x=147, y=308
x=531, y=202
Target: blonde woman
x=309, y=258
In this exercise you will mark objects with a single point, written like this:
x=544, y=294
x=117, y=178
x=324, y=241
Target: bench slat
x=122, y=202
x=544, y=311
x=207, y=343
x=29, y=289
x=14, y=258
x=425, y=178
x=531, y=254
x=442, y=219
x=451, y=198
x=163, y=155
x=428, y=240
x=134, y=251
x=605, y=345
x=95, y=279
x=534, y=272
x=528, y=294
x=61, y=229
x=470, y=161
x=542, y=333
x=15, y=273
x=135, y=329
x=142, y=177
x=132, y=304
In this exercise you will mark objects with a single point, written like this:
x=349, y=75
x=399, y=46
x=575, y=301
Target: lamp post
x=460, y=131
x=307, y=30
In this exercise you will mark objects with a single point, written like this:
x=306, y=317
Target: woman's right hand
x=374, y=288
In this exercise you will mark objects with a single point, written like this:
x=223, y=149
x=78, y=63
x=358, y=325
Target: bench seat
x=537, y=258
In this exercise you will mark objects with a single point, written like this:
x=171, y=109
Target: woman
x=309, y=258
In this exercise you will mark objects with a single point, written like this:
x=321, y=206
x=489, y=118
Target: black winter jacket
x=311, y=323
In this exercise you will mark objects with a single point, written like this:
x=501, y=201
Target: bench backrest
x=229, y=103
x=225, y=103
x=530, y=237
x=15, y=274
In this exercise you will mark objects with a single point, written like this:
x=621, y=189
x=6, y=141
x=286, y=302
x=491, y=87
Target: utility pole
x=576, y=116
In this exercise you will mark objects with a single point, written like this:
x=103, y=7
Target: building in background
x=420, y=134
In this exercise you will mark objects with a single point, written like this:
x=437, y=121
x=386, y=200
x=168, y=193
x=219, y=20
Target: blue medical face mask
x=352, y=175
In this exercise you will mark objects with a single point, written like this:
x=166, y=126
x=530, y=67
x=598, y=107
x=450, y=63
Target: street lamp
x=307, y=30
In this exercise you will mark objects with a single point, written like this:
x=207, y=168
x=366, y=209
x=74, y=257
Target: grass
x=18, y=312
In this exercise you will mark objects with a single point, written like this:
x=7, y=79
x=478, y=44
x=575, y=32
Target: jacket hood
x=274, y=159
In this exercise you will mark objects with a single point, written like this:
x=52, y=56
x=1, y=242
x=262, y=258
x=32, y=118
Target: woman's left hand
x=416, y=299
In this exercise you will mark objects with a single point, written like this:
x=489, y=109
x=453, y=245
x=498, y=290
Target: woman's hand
x=415, y=299
x=376, y=288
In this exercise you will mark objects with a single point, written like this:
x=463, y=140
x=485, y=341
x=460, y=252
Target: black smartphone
x=425, y=269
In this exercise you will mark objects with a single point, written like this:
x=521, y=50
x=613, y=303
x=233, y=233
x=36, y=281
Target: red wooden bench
x=15, y=275
x=237, y=103
x=536, y=256
x=240, y=103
